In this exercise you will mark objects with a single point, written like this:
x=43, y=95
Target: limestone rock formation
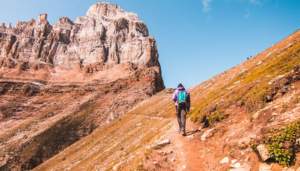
x=107, y=36
x=60, y=83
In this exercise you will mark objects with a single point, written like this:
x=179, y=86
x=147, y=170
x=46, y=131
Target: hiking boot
x=182, y=132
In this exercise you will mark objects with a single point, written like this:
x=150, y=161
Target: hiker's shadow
x=191, y=132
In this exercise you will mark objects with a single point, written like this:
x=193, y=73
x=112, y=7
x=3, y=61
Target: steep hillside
x=246, y=118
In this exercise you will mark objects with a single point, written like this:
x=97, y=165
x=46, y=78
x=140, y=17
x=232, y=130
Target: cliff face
x=59, y=83
x=107, y=36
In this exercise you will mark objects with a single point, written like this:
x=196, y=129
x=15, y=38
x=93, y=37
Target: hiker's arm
x=175, y=96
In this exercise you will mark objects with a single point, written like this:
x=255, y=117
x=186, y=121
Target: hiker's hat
x=179, y=85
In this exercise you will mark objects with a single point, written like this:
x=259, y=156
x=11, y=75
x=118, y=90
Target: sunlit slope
x=159, y=105
x=244, y=86
x=120, y=145
x=247, y=84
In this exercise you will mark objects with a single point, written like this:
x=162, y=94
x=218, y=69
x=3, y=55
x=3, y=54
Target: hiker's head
x=180, y=85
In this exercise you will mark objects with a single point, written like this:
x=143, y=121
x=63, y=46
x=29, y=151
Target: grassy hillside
x=119, y=145
x=247, y=85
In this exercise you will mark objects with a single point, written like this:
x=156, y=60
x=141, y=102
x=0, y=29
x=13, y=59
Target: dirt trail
x=183, y=153
x=188, y=152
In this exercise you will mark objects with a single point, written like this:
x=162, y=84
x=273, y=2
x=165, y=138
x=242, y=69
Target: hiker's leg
x=183, y=118
x=178, y=118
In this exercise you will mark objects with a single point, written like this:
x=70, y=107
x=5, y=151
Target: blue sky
x=196, y=39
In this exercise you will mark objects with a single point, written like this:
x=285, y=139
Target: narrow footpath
x=187, y=149
x=184, y=153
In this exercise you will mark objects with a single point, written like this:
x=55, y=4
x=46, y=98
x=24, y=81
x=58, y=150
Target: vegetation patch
x=282, y=143
x=297, y=100
x=215, y=117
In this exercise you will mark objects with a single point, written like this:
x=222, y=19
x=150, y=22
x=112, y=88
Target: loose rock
x=263, y=152
x=164, y=142
x=206, y=133
x=244, y=168
x=236, y=165
x=190, y=137
x=265, y=167
x=224, y=160
x=233, y=161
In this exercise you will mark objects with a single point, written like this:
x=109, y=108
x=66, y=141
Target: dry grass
x=254, y=87
x=159, y=105
x=120, y=141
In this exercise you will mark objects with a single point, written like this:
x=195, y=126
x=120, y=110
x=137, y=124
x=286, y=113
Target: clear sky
x=196, y=39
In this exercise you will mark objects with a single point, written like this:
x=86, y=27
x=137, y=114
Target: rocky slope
x=246, y=118
x=59, y=83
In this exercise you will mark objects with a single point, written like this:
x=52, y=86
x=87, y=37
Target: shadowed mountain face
x=59, y=83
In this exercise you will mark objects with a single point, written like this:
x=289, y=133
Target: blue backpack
x=182, y=97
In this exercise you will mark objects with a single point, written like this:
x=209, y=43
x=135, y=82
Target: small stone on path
x=190, y=137
x=244, y=168
x=164, y=142
x=236, y=165
x=224, y=160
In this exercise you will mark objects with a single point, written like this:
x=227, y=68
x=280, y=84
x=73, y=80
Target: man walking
x=182, y=101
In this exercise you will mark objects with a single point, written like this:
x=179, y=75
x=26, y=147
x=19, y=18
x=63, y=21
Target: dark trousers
x=181, y=116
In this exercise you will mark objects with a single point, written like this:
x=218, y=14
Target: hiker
x=182, y=101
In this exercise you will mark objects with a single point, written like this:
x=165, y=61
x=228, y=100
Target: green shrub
x=214, y=117
x=281, y=144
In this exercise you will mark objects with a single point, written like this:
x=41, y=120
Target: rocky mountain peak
x=107, y=37
x=42, y=19
x=108, y=12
